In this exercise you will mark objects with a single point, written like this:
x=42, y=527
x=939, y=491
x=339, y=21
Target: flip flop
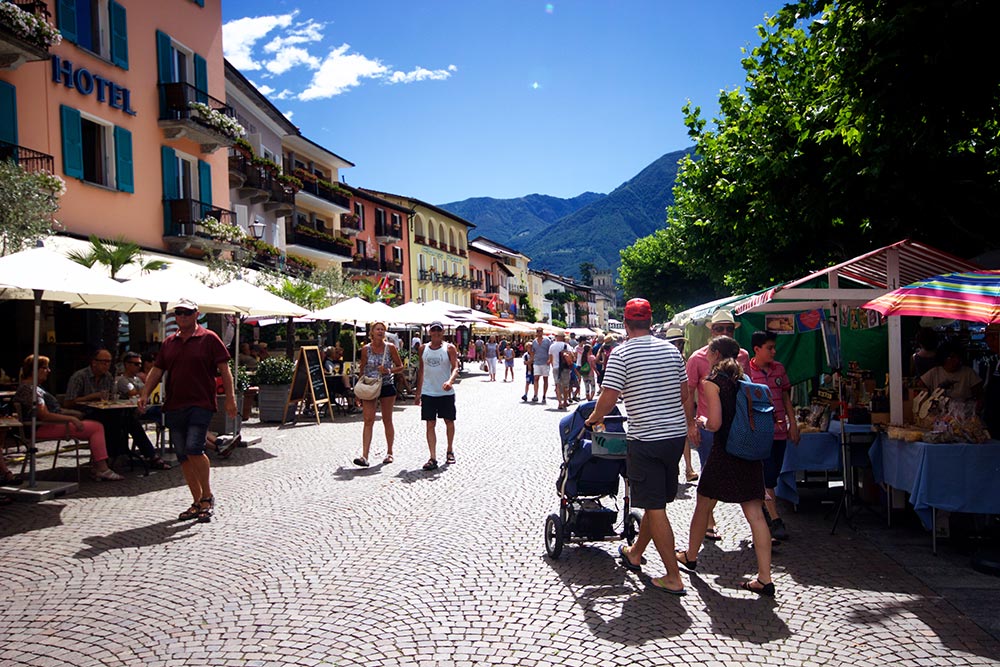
x=626, y=563
x=361, y=461
x=387, y=460
x=673, y=591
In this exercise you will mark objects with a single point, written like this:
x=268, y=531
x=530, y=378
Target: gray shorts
x=652, y=471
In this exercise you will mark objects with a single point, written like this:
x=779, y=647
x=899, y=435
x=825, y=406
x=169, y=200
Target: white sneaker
x=108, y=475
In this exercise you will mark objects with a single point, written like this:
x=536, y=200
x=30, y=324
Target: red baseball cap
x=638, y=309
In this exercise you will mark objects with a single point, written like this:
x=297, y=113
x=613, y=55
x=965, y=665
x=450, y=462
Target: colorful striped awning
x=972, y=296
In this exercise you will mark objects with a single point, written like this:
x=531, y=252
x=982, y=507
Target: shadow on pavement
x=158, y=533
x=594, y=579
x=21, y=518
x=729, y=614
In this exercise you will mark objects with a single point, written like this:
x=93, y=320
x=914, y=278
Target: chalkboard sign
x=308, y=385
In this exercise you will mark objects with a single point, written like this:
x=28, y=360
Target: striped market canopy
x=972, y=296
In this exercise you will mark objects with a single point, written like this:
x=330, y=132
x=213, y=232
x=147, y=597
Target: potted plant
x=274, y=379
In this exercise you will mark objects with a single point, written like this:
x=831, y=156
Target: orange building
x=127, y=111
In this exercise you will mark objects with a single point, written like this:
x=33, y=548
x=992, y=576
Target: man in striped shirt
x=650, y=376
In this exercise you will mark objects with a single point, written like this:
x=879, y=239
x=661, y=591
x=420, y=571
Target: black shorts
x=652, y=471
x=773, y=463
x=388, y=390
x=432, y=407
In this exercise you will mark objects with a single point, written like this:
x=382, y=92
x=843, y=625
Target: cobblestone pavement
x=311, y=561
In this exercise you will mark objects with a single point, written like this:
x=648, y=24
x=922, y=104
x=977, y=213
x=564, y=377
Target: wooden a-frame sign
x=308, y=384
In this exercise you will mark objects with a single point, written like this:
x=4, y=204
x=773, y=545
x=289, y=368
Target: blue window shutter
x=200, y=3
x=119, y=34
x=8, y=113
x=72, y=141
x=169, y=161
x=123, y=160
x=164, y=63
x=201, y=79
x=205, y=185
x=168, y=158
x=66, y=19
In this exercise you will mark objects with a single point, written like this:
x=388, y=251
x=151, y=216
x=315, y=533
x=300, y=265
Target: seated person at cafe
x=128, y=386
x=959, y=382
x=54, y=425
x=96, y=383
x=333, y=359
x=246, y=357
x=261, y=351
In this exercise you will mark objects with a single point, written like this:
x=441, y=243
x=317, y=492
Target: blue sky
x=444, y=100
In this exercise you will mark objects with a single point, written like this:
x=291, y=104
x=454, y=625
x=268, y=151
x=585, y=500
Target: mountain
x=559, y=234
x=512, y=221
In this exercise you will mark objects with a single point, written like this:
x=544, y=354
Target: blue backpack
x=752, y=432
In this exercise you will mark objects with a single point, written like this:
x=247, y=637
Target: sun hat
x=638, y=309
x=674, y=333
x=722, y=317
x=610, y=338
x=184, y=303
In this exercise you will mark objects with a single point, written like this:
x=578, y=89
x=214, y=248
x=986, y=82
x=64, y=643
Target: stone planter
x=271, y=400
x=221, y=423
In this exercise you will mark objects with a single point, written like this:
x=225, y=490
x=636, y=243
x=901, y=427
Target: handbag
x=483, y=366
x=368, y=388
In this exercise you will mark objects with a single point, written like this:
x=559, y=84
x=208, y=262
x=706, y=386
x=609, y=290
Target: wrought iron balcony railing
x=29, y=160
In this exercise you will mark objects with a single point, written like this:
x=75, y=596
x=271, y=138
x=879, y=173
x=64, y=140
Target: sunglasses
x=135, y=362
x=183, y=311
x=723, y=327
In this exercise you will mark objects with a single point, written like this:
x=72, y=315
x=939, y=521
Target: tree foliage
x=861, y=123
x=28, y=202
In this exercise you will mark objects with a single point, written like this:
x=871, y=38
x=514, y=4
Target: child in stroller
x=589, y=472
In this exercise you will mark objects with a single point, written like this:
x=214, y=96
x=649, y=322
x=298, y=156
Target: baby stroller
x=592, y=464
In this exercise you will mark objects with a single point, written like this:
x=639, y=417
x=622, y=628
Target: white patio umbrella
x=412, y=312
x=353, y=310
x=43, y=274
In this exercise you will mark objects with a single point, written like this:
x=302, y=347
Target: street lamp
x=257, y=229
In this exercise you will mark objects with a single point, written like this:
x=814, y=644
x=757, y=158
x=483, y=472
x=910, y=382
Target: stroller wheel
x=632, y=522
x=553, y=536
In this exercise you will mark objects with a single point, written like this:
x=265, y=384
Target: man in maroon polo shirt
x=191, y=358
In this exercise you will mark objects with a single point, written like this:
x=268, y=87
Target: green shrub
x=275, y=370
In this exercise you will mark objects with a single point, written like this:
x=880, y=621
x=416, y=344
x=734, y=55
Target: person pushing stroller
x=650, y=375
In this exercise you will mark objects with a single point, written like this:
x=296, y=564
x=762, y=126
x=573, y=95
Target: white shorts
x=541, y=371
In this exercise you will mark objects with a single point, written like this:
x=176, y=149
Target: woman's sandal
x=361, y=462
x=450, y=458
x=682, y=558
x=157, y=463
x=11, y=479
x=712, y=534
x=387, y=460
x=431, y=464
x=205, y=513
x=766, y=590
x=189, y=513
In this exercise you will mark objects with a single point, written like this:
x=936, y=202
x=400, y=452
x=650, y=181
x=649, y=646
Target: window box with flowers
x=220, y=231
x=218, y=121
x=290, y=182
x=28, y=36
x=305, y=176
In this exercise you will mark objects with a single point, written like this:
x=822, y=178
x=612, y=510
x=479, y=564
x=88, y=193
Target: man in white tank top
x=435, y=391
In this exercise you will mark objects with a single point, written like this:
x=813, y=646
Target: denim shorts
x=188, y=428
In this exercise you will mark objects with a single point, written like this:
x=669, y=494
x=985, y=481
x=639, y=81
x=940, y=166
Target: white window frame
x=102, y=9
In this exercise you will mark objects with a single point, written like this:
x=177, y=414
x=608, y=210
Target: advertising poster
x=780, y=323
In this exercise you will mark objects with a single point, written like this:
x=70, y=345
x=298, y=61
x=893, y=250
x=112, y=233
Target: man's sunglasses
x=183, y=311
x=723, y=327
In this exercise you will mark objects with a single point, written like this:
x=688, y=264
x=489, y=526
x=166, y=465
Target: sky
x=443, y=100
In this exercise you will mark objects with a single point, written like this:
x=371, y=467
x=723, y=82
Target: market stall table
x=816, y=452
x=956, y=477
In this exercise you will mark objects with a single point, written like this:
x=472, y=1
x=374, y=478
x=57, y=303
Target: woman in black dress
x=727, y=477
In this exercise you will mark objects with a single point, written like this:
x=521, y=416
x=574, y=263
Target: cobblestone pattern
x=311, y=561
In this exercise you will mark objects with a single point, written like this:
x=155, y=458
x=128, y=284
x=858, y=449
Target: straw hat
x=610, y=338
x=722, y=317
x=674, y=333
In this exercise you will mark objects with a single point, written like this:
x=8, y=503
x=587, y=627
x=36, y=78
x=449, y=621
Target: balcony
x=25, y=38
x=182, y=232
x=256, y=184
x=422, y=240
x=462, y=252
x=326, y=194
x=29, y=160
x=362, y=265
x=282, y=199
x=387, y=232
x=432, y=243
x=310, y=238
x=350, y=224
x=517, y=288
x=392, y=266
x=179, y=120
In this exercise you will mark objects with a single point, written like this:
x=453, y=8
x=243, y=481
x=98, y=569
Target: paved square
x=312, y=561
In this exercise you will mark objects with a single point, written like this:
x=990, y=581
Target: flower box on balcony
x=25, y=33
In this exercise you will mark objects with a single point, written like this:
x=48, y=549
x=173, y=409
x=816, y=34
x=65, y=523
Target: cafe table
x=955, y=476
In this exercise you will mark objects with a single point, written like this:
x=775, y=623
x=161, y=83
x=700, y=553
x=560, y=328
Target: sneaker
x=227, y=446
x=778, y=530
x=524, y=398
x=534, y=399
x=543, y=400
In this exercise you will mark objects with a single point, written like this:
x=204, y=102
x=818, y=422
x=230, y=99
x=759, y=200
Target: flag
x=492, y=305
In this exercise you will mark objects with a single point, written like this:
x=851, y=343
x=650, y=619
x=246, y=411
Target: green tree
x=526, y=311
x=114, y=255
x=587, y=273
x=860, y=123
x=302, y=293
x=369, y=292
x=28, y=202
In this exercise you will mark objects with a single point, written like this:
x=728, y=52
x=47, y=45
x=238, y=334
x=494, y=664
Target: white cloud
x=310, y=31
x=284, y=95
x=264, y=90
x=288, y=114
x=240, y=36
x=341, y=71
x=421, y=74
x=289, y=57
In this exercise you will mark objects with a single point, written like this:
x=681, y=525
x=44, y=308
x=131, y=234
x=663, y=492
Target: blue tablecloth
x=815, y=451
x=957, y=477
